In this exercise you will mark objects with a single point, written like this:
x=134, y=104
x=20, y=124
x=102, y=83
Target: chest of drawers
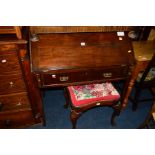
x=75, y=58
x=16, y=104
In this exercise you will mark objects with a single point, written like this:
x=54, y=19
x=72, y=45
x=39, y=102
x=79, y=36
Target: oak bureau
x=62, y=59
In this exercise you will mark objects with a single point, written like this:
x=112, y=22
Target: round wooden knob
x=19, y=104
x=3, y=61
x=11, y=83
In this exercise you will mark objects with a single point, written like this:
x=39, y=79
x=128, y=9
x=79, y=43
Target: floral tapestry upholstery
x=85, y=94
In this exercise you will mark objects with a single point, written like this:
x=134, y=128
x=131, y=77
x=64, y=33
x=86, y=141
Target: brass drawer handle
x=64, y=78
x=107, y=75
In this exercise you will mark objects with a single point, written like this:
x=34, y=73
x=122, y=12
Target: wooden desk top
x=143, y=50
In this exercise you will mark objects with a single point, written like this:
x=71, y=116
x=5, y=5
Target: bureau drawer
x=12, y=84
x=63, y=78
x=110, y=73
x=68, y=77
x=9, y=63
x=16, y=119
x=14, y=102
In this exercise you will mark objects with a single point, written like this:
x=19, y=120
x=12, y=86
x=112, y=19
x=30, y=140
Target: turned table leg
x=140, y=65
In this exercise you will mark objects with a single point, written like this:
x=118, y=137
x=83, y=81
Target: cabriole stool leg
x=74, y=116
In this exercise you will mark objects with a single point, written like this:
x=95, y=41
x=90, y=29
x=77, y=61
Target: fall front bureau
x=62, y=59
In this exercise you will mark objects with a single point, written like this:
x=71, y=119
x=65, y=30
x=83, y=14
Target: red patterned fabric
x=85, y=94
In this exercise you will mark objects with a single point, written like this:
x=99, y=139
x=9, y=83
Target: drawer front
x=63, y=78
x=12, y=84
x=16, y=119
x=9, y=63
x=110, y=74
x=8, y=48
x=84, y=76
x=14, y=102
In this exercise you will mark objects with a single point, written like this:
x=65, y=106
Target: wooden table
x=143, y=51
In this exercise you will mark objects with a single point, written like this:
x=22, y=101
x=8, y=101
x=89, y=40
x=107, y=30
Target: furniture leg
x=131, y=83
x=135, y=101
x=67, y=99
x=115, y=113
x=43, y=93
x=66, y=105
x=148, y=118
x=145, y=123
x=74, y=116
